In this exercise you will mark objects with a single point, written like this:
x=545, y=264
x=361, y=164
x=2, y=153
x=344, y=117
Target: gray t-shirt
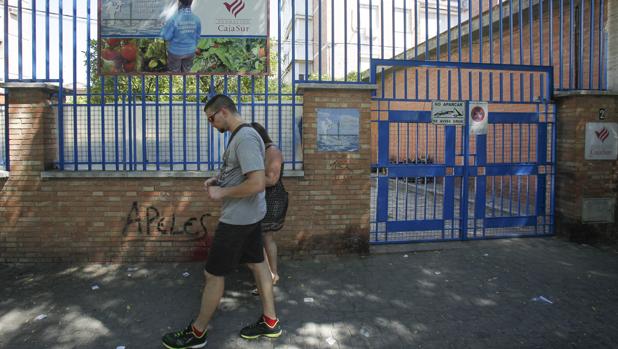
x=244, y=154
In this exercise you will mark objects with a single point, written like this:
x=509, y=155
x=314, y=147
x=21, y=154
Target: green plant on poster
x=126, y=56
x=222, y=55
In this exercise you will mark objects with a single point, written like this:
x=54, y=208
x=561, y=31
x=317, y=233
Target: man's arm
x=254, y=184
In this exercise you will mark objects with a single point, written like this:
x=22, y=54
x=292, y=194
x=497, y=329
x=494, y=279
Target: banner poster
x=478, y=118
x=183, y=37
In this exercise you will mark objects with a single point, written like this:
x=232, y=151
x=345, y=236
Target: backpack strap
x=236, y=131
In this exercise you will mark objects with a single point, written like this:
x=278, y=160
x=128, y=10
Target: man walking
x=238, y=240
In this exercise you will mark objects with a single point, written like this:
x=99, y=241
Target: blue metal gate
x=436, y=182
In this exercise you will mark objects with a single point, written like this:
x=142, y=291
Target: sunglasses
x=211, y=117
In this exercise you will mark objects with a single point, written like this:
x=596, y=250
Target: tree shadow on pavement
x=477, y=296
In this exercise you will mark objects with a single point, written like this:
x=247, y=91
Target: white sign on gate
x=478, y=116
x=448, y=112
x=601, y=141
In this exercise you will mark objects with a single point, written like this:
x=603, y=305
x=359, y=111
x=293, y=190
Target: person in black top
x=276, y=199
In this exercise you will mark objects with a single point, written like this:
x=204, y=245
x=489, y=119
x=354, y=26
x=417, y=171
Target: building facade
x=343, y=36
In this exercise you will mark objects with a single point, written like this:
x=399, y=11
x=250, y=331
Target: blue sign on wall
x=338, y=129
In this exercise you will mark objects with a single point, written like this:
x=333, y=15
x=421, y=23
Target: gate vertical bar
x=481, y=183
x=383, y=180
x=560, y=43
x=61, y=89
x=6, y=159
x=6, y=78
x=601, y=44
x=591, y=45
x=463, y=202
x=144, y=121
x=306, y=40
x=75, y=134
x=116, y=140
x=198, y=150
x=6, y=41
x=450, y=149
x=89, y=121
x=33, y=13
x=46, y=40
x=319, y=40
x=19, y=41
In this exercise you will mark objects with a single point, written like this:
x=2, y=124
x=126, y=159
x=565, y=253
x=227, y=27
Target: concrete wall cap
x=301, y=87
x=143, y=174
x=589, y=93
x=33, y=85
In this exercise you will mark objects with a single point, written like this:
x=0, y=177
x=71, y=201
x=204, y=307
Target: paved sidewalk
x=459, y=295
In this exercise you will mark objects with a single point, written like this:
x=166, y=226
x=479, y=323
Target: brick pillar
x=578, y=179
x=339, y=182
x=31, y=150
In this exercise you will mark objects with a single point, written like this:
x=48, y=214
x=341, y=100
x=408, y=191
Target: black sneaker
x=184, y=339
x=260, y=328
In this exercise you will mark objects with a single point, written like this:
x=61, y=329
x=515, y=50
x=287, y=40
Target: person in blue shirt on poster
x=181, y=32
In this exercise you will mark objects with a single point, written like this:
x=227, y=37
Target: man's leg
x=211, y=296
x=268, y=324
x=265, y=286
x=194, y=336
x=271, y=253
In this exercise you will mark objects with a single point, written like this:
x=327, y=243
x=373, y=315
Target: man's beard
x=221, y=130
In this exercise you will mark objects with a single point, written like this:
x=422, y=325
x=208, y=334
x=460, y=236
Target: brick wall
x=333, y=198
x=577, y=178
x=46, y=217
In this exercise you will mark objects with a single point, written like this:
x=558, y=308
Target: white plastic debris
x=486, y=255
x=405, y=256
x=95, y=287
x=40, y=317
x=121, y=347
x=131, y=269
x=186, y=274
x=437, y=273
x=542, y=299
x=331, y=340
x=129, y=275
x=365, y=332
x=308, y=300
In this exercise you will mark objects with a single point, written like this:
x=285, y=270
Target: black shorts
x=234, y=245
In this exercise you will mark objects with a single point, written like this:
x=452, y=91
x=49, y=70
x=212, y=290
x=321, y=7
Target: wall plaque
x=599, y=210
x=601, y=141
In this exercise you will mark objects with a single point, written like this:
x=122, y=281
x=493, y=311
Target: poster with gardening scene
x=183, y=37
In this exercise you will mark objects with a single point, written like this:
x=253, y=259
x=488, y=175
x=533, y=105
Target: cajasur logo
x=235, y=7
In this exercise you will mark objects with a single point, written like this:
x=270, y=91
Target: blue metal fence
x=139, y=124
x=438, y=182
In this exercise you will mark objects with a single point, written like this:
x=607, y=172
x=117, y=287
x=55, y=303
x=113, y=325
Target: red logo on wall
x=235, y=7
x=602, y=134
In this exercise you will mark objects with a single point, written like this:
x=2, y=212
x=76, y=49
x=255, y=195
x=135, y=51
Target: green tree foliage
x=178, y=88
